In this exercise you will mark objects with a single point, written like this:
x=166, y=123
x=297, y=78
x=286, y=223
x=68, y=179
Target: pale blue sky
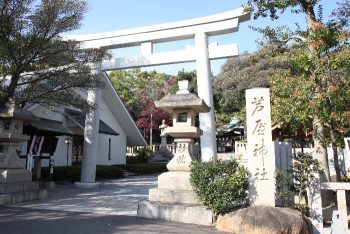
x=111, y=15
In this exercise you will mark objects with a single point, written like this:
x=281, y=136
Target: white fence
x=315, y=202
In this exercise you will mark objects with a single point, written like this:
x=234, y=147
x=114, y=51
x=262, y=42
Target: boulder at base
x=263, y=219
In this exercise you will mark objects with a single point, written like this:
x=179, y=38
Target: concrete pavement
x=110, y=209
x=116, y=197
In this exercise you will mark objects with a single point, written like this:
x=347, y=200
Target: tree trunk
x=320, y=152
x=335, y=157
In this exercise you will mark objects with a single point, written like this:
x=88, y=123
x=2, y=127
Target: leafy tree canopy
x=314, y=91
x=36, y=65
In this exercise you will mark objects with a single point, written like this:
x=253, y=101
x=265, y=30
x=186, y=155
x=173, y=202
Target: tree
x=152, y=117
x=37, y=66
x=136, y=88
x=314, y=92
x=241, y=73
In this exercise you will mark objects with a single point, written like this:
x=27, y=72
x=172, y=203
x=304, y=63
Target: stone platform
x=21, y=192
x=175, y=200
x=16, y=186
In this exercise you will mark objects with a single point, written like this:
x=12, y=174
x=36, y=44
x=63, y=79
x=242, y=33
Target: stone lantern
x=174, y=198
x=184, y=106
x=16, y=183
x=11, y=135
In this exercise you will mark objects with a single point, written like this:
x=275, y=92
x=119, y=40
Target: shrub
x=108, y=172
x=144, y=154
x=62, y=174
x=133, y=160
x=72, y=174
x=220, y=185
x=146, y=168
x=297, y=182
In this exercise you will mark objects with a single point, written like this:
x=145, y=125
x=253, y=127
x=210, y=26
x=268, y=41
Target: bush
x=72, y=174
x=62, y=174
x=220, y=185
x=144, y=154
x=134, y=160
x=297, y=181
x=146, y=168
x=108, y=172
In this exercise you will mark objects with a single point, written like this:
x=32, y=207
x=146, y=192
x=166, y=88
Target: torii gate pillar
x=204, y=84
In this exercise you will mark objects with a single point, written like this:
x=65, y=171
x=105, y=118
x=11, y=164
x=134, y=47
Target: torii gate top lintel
x=216, y=24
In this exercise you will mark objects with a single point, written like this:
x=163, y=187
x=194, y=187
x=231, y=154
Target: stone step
x=19, y=187
x=173, y=196
x=8, y=199
x=185, y=213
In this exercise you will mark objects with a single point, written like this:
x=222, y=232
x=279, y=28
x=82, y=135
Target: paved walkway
x=110, y=209
x=115, y=197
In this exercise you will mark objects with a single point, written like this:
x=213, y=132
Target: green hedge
x=220, y=185
x=145, y=168
x=72, y=174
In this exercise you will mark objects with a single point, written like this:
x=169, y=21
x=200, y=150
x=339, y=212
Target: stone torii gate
x=145, y=37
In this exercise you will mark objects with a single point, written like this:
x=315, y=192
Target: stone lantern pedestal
x=174, y=198
x=16, y=183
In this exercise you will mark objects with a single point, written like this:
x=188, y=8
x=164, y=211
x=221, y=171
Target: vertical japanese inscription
x=259, y=130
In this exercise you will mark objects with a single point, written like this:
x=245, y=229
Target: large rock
x=263, y=219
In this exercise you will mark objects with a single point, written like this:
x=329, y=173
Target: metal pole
x=67, y=151
x=151, y=131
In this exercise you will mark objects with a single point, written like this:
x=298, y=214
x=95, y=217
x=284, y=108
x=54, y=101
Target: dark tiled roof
x=192, y=101
x=46, y=127
x=79, y=117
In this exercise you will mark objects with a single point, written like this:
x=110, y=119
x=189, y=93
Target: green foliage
x=72, y=174
x=241, y=73
x=44, y=68
x=144, y=154
x=108, y=172
x=220, y=184
x=133, y=160
x=146, y=168
x=298, y=180
x=283, y=189
x=312, y=93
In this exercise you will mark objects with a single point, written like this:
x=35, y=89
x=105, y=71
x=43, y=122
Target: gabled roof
x=46, y=127
x=79, y=118
x=121, y=114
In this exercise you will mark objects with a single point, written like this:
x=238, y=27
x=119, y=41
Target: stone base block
x=185, y=213
x=5, y=199
x=14, y=175
x=19, y=187
x=173, y=196
x=175, y=180
x=8, y=199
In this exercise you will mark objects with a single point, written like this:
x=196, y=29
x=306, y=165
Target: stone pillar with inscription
x=174, y=199
x=260, y=148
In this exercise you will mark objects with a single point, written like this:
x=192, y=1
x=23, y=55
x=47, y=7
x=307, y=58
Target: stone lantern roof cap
x=17, y=113
x=182, y=101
